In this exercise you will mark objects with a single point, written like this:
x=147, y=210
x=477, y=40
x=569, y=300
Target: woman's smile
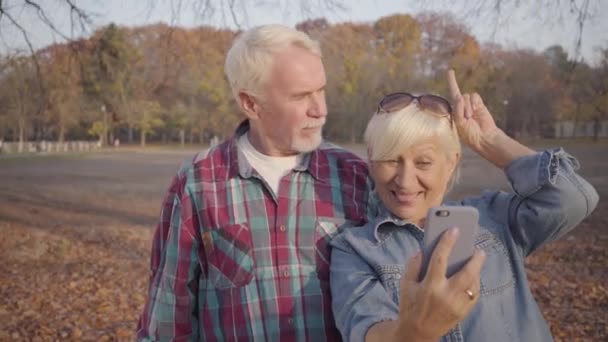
x=406, y=198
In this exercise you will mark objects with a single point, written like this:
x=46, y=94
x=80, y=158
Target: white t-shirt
x=272, y=169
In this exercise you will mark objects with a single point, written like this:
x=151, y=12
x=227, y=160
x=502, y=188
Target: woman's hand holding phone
x=431, y=306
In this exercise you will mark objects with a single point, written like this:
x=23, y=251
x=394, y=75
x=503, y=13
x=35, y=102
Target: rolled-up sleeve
x=171, y=309
x=550, y=198
x=359, y=299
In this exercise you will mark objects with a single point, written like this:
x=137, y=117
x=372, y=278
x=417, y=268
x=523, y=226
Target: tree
x=441, y=36
x=18, y=95
x=581, y=88
x=599, y=87
x=446, y=43
x=167, y=83
x=148, y=118
x=397, y=44
x=528, y=93
x=61, y=69
x=353, y=82
x=105, y=74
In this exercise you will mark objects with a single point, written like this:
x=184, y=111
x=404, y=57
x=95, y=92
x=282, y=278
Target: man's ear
x=249, y=104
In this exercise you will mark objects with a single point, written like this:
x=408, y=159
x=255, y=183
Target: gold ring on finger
x=470, y=293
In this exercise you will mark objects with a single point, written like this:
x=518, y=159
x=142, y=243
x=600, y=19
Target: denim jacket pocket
x=497, y=272
x=325, y=231
x=390, y=276
x=229, y=252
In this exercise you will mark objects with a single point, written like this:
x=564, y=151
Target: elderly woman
x=414, y=151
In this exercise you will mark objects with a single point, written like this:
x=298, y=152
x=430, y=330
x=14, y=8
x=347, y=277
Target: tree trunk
x=191, y=137
x=182, y=137
x=596, y=128
x=142, y=139
x=575, y=121
x=21, y=134
x=61, y=136
x=104, y=137
x=2, y=129
x=130, y=133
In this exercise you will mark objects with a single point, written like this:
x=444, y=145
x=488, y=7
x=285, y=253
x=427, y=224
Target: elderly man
x=241, y=251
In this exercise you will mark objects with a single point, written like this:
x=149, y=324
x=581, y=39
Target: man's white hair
x=250, y=58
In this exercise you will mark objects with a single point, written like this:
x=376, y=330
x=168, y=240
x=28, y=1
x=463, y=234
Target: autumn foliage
x=167, y=83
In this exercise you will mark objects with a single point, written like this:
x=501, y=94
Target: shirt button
x=285, y=274
x=290, y=321
x=282, y=228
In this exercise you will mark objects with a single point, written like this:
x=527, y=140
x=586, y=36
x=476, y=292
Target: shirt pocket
x=229, y=252
x=390, y=276
x=497, y=272
x=325, y=230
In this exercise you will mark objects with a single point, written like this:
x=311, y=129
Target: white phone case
x=441, y=218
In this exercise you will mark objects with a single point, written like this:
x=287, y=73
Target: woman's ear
x=249, y=104
x=454, y=161
x=454, y=174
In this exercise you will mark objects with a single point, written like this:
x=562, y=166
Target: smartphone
x=441, y=218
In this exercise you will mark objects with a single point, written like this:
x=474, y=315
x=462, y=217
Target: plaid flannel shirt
x=233, y=261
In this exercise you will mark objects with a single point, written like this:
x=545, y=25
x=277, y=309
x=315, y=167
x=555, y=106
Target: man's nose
x=318, y=106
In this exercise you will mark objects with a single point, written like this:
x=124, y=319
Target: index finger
x=453, y=85
x=438, y=262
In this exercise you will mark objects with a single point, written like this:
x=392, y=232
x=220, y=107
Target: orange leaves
x=568, y=279
x=91, y=291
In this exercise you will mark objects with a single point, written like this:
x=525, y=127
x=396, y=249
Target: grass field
x=76, y=234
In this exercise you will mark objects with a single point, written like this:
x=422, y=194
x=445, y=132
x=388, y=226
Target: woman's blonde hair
x=388, y=134
x=249, y=60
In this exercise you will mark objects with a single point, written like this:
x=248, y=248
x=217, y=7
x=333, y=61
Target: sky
x=520, y=27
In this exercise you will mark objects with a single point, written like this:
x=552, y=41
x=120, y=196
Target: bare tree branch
x=84, y=18
x=27, y=41
x=583, y=16
x=78, y=16
x=542, y=12
x=234, y=19
x=42, y=15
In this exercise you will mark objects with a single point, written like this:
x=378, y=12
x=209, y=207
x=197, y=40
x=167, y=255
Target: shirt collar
x=311, y=162
x=385, y=217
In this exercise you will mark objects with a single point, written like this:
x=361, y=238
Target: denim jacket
x=549, y=200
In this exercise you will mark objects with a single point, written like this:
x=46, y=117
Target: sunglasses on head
x=397, y=101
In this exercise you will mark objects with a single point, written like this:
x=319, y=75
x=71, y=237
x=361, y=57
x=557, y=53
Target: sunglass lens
x=436, y=104
x=397, y=101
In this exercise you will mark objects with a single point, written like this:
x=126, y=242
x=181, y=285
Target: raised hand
x=473, y=120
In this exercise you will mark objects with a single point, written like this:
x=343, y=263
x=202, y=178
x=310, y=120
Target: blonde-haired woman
x=414, y=151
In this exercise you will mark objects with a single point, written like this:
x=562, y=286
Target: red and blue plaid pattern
x=233, y=261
